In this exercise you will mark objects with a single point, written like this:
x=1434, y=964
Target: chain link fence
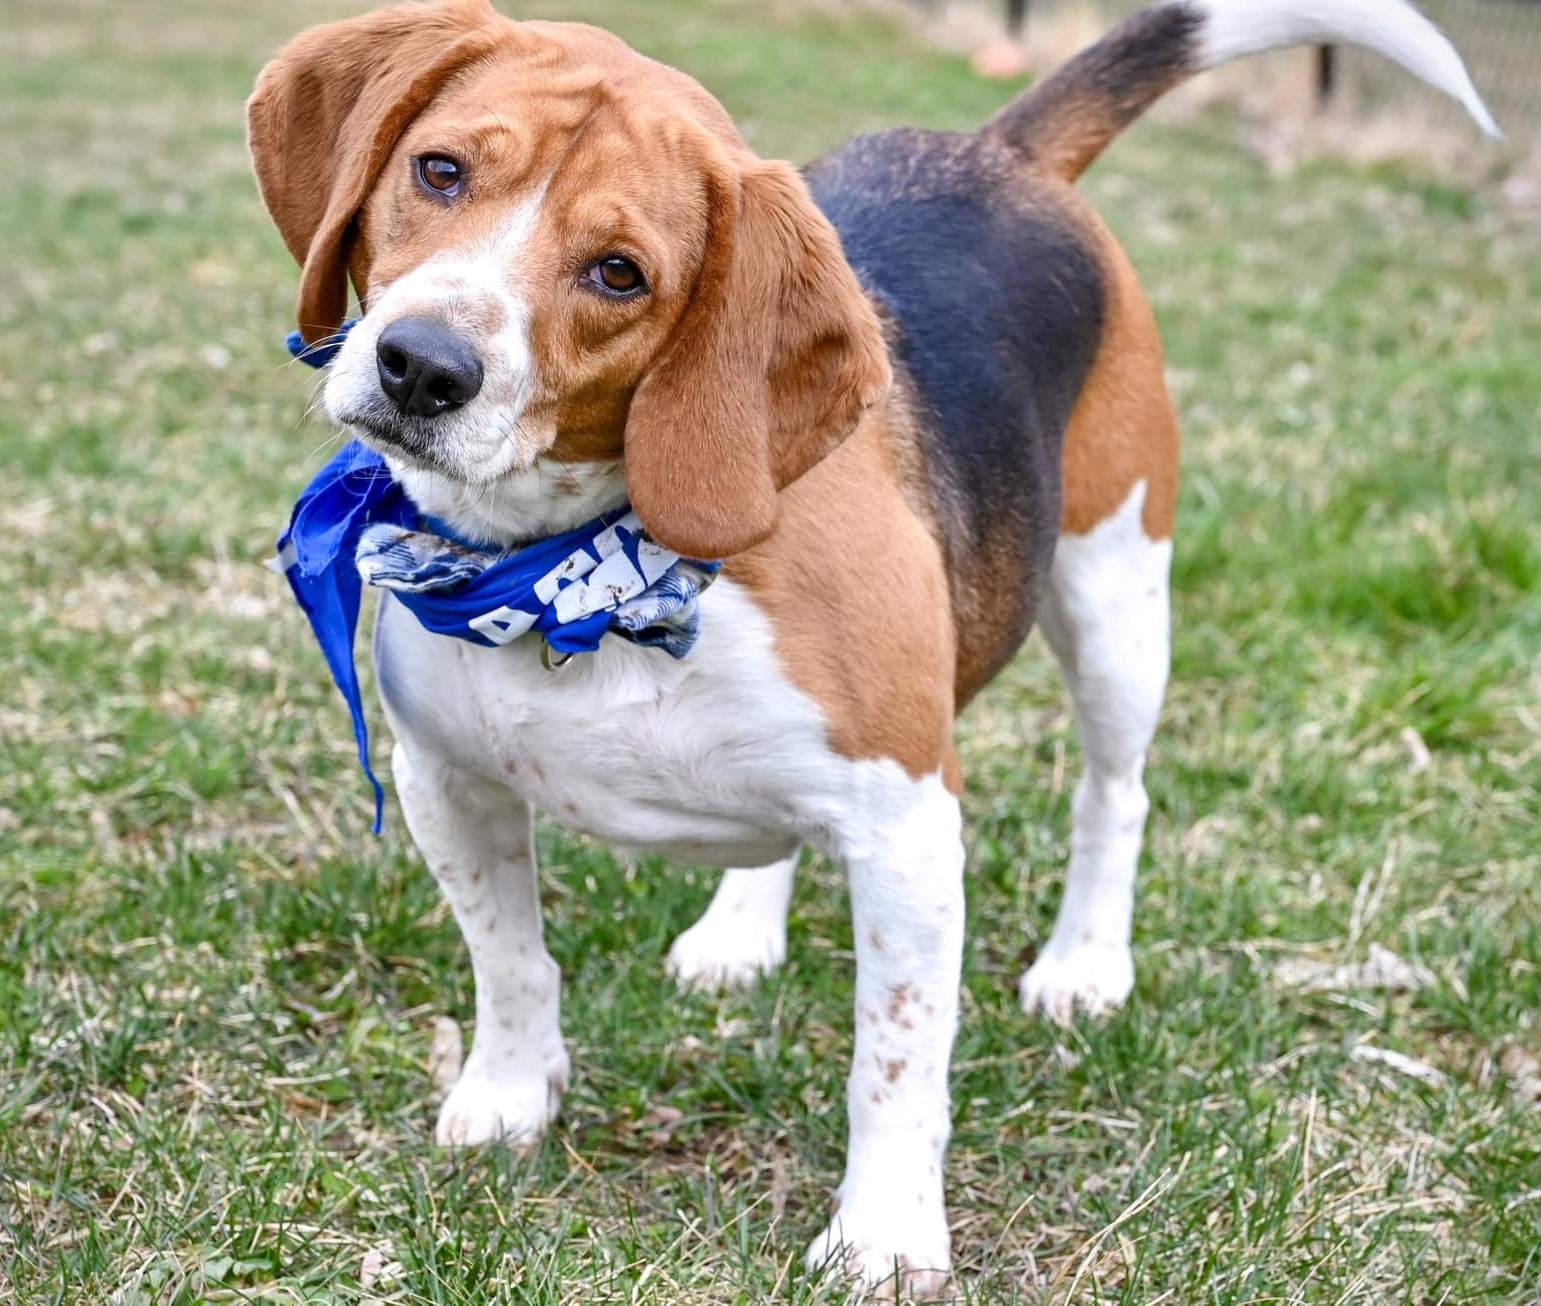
x=1501, y=43
x=1500, y=40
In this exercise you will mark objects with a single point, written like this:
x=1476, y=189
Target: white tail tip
x=1391, y=28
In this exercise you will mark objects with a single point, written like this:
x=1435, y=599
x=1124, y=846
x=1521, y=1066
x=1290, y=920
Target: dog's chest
x=715, y=757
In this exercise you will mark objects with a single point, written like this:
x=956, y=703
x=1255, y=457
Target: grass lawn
x=217, y=992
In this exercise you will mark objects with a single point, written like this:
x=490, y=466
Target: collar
x=354, y=525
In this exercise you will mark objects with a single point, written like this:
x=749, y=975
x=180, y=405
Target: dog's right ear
x=325, y=116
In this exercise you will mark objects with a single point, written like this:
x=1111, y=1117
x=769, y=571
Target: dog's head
x=565, y=253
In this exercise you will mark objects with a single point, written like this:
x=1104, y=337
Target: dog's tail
x=1067, y=120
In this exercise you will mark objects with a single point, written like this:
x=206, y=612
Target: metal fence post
x=1326, y=74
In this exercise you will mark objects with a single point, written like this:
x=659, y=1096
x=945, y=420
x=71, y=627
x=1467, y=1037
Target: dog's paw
x=893, y=1254
x=728, y=953
x=1090, y=977
x=516, y=1109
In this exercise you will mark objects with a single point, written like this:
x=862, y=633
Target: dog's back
x=992, y=277
x=1029, y=355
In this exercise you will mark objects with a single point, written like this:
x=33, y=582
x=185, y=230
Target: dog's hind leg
x=743, y=932
x=1106, y=617
x=477, y=842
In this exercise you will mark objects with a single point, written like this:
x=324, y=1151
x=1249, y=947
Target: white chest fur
x=713, y=758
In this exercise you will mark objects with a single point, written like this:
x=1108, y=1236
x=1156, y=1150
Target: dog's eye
x=439, y=174
x=617, y=276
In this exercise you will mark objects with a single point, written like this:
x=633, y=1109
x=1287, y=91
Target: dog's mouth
x=391, y=434
x=422, y=447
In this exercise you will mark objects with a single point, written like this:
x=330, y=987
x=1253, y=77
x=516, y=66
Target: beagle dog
x=911, y=399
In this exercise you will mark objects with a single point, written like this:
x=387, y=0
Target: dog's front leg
x=906, y=880
x=477, y=841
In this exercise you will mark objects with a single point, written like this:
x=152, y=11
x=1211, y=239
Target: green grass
x=217, y=992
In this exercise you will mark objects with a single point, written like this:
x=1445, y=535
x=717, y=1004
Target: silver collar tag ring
x=551, y=659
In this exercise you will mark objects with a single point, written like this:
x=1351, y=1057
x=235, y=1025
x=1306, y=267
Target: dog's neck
x=541, y=500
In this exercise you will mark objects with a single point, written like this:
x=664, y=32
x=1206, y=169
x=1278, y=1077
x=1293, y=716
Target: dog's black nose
x=426, y=368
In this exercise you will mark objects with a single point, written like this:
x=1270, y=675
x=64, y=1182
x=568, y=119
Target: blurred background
x=1500, y=40
x=219, y=994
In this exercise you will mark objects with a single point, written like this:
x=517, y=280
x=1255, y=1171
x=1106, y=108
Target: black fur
x=997, y=300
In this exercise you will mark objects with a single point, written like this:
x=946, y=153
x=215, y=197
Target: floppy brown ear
x=769, y=369
x=325, y=115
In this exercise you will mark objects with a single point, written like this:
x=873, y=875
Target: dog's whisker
x=335, y=438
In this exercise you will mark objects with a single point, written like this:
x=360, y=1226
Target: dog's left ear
x=325, y=115
x=768, y=370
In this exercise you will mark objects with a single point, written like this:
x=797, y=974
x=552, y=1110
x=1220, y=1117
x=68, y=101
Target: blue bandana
x=323, y=351
x=354, y=524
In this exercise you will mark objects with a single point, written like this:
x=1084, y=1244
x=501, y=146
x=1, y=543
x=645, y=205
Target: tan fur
x=1080, y=132
x=855, y=589
x=1124, y=428
x=1064, y=121
x=324, y=116
x=776, y=358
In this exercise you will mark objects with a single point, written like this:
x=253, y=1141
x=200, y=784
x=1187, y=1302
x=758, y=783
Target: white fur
x=743, y=932
x=477, y=841
x=1106, y=616
x=480, y=293
x=545, y=498
x=627, y=744
x=1391, y=28
x=720, y=759
x=906, y=875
